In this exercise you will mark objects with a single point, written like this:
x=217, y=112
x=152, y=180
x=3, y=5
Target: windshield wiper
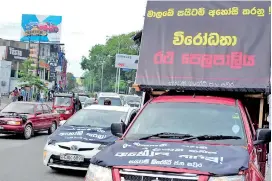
x=166, y=135
x=212, y=137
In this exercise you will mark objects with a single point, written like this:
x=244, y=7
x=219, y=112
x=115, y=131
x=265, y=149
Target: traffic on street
x=186, y=97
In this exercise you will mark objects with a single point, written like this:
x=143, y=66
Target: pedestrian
x=15, y=94
x=23, y=94
x=41, y=96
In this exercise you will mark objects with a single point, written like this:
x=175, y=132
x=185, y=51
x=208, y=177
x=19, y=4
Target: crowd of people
x=23, y=95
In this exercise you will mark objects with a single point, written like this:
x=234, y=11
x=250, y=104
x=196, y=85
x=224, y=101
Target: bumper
x=52, y=153
x=10, y=129
x=65, y=116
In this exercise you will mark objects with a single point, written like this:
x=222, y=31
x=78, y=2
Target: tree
x=71, y=81
x=28, y=77
x=105, y=53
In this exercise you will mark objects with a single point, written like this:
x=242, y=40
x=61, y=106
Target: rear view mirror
x=263, y=136
x=118, y=129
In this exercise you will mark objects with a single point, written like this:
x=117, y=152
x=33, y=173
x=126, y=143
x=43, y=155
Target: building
x=12, y=54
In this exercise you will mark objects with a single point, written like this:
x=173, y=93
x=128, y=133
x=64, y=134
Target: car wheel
x=28, y=132
x=52, y=128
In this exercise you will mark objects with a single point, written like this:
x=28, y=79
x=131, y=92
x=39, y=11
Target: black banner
x=17, y=54
x=220, y=160
x=211, y=44
x=83, y=134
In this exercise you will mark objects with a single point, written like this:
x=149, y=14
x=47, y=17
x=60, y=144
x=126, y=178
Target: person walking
x=15, y=94
x=23, y=94
x=41, y=96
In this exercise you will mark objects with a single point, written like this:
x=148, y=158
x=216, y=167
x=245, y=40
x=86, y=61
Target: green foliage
x=71, y=81
x=99, y=53
x=28, y=76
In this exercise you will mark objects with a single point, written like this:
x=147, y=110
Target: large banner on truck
x=216, y=44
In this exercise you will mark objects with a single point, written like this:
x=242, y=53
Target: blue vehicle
x=31, y=25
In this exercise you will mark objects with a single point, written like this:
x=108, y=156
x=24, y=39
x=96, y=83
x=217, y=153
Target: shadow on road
x=19, y=137
x=70, y=173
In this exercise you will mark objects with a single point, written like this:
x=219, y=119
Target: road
x=22, y=160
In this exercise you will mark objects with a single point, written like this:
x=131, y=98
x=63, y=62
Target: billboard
x=43, y=28
x=17, y=54
x=214, y=44
x=126, y=61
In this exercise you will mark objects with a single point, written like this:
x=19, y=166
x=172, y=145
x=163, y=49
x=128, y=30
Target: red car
x=48, y=27
x=26, y=118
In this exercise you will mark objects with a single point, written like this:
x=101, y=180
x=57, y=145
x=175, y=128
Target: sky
x=85, y=22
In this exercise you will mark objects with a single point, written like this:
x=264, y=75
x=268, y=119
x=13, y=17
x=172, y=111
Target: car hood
x=84, y=134
x=215, y=159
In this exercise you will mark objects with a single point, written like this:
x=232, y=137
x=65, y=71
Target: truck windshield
x=189, y=118
x=62, y=101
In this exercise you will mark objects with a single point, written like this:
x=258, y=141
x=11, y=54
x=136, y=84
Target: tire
x=52, y=128
x=28, y=132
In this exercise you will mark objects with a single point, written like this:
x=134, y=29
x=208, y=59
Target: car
x=89, y=102
x=82, y=99
x=114, y=97
x=48, y=27
x=25, y=118
x=132, y=100
x=84, y=135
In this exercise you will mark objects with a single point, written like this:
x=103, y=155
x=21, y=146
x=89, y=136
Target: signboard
x=212, y=44
x=17, y=54
x=43, y=28
x=126, y=61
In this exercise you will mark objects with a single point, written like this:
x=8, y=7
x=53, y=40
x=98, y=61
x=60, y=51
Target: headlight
x=67, y=112
x=14, y=122
x=97, y=173
x=228, y=178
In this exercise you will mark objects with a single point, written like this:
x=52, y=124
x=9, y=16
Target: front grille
x=155, y=176
x=57, y=161
x=61, y=111
x=80, y=149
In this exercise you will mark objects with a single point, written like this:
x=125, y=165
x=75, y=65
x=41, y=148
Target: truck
x=204, y=68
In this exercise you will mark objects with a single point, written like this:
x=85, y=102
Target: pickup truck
x=185, y=138
x=26, y=118
x=205, y=98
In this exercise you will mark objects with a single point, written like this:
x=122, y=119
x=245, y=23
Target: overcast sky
x=85, y=22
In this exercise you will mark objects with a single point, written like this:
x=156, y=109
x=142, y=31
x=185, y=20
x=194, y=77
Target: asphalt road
x=21, y=160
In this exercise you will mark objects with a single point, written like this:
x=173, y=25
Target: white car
x=73, y=144
x=114, y=97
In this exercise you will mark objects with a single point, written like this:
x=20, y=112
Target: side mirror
x=118, y=129
x=263, y=136
x=38, y=113
x=62, y=122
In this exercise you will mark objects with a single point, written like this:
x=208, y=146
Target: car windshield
x=62, y=101
x=189, y=118
x=19, y=108
x=132, y=99
x=95, y=118
x=82, y=98
x=114, y=101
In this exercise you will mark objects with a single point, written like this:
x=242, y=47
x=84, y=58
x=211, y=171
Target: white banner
x=126, y=61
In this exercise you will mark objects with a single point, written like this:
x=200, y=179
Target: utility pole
x=38, y=60
x=102, y=71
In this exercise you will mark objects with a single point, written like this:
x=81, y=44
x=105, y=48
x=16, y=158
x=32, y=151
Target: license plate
x=72, y=158
x=1, y=127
